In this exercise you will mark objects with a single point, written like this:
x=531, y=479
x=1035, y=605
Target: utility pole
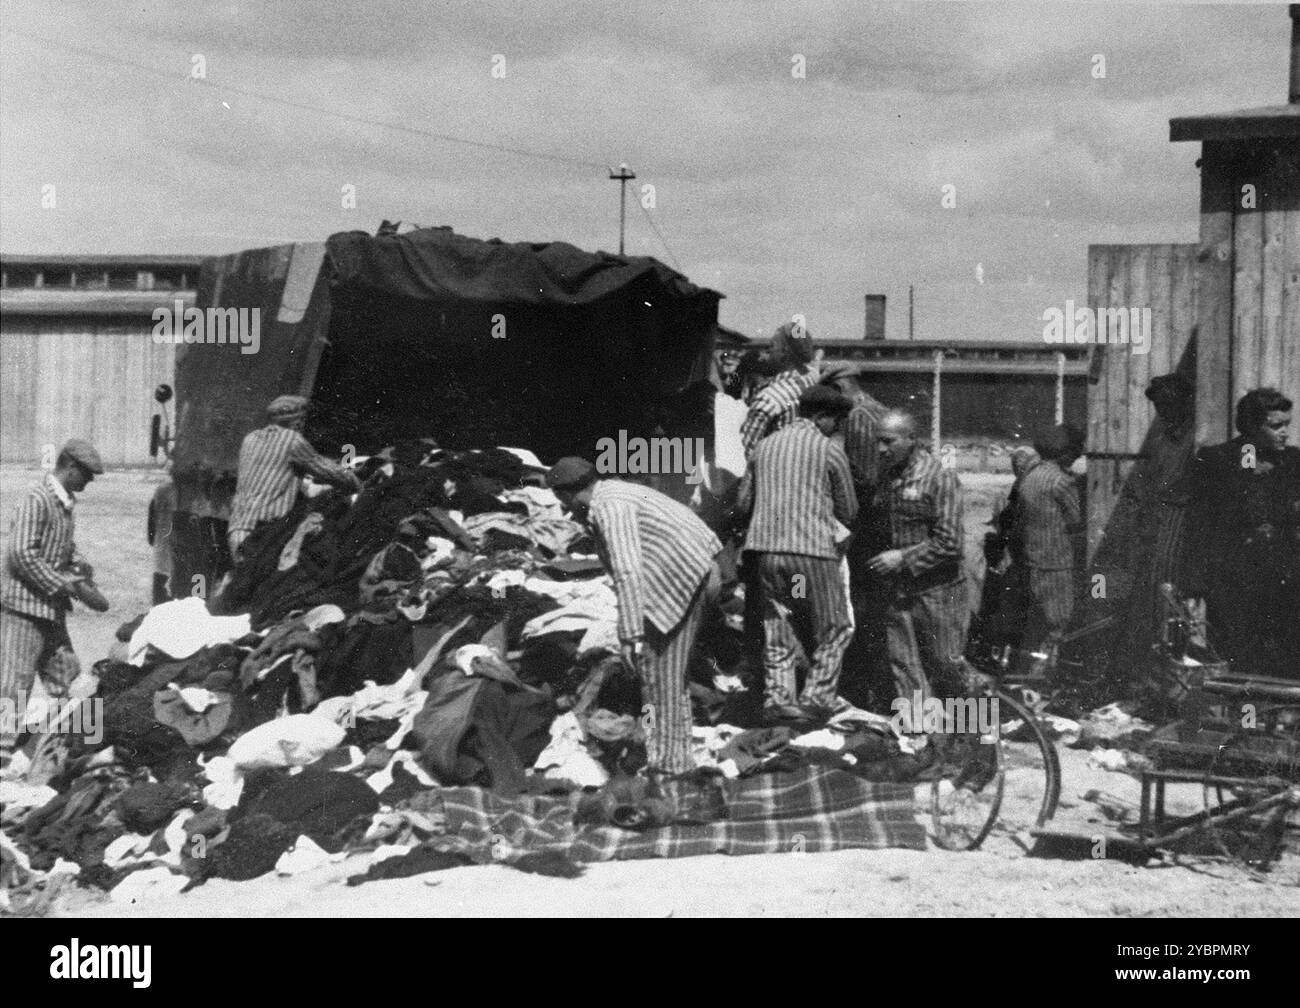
x=622, y=176
x=911, y=311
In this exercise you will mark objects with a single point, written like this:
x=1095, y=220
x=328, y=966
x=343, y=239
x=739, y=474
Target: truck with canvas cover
x=417, y=335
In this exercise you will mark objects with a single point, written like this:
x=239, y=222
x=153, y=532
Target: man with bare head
x=920, y=503
x=1245, y=522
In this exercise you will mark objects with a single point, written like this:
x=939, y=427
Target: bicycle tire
x=1051, y=759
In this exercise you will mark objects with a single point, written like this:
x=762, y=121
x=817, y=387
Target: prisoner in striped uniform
x=920, y=507
x=271, y=461
x=799, y=492
x=661, y=558
x=36, y=586
x=1047, y=524
x=777, y=404
x=868, y=601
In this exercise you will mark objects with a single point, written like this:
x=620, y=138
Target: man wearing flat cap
x=800, y=498
x=1047, y=524
x=271, y=461
x=661, y=558
x=42, y=574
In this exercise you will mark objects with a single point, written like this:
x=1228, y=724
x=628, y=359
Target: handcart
x=1236, y=741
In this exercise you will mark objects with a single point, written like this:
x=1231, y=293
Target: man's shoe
x=89, y=595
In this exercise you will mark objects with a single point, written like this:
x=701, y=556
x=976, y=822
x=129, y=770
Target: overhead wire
x=346, y=116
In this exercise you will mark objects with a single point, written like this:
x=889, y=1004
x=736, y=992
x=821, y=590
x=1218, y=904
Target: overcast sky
x=786, y=194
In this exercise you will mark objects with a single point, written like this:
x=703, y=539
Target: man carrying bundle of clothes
x=42, y=574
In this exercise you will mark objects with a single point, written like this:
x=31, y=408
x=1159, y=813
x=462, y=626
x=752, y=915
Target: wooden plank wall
x=79, y=377
x=1120, y=417
x=1248, y=276
x=1266, y=273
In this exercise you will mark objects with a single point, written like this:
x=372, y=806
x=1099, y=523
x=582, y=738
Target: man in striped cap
x=271, y=461
x=39, y=581
x=799, y=489
x=661, y=559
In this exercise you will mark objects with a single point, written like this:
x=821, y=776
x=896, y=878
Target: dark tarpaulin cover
x=439, y=265
x=586, y=312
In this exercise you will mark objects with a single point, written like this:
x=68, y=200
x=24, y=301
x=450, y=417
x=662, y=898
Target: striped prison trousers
x=805, y=601
x=29, y=646
x=665, y=689
x=925, y=633
x=1052, y=608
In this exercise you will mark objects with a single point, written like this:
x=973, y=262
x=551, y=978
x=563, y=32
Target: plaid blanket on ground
x=809, y=809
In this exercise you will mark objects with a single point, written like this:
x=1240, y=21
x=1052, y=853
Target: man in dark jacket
x=1245, y=531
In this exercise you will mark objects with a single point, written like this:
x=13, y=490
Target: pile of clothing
x=446, y=633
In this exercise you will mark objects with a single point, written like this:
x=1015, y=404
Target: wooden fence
x=1120, y=417
x=79, y=377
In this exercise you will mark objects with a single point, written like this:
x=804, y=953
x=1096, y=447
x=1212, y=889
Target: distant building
x=972, y=391
x=77, y=355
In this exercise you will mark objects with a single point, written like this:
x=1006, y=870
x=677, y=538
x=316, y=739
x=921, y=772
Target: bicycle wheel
x=1005, y=775
x=966, y=793
x=1032, y=766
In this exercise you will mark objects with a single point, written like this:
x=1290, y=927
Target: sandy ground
x=1001, y=879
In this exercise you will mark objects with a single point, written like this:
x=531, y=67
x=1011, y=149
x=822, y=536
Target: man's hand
x=888, y=562
x=631, y=651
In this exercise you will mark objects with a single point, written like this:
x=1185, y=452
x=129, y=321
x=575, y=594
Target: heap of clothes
x=372, y=661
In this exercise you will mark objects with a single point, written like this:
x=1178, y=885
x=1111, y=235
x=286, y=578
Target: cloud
x=776, y=190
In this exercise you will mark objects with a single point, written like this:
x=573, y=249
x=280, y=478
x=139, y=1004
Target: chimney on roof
x=875, y=317
x=1294, y=94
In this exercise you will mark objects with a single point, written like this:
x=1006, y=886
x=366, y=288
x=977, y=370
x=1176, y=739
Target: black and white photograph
x=720, y=460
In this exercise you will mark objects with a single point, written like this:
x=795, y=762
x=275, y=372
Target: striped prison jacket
x=270, y=462
x=798, y=486
x=40, y=544
x=655, y=549
x=921, y=506
x=775, y=406
x=1048, y=517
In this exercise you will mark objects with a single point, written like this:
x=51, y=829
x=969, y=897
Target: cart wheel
x=1010, y=776
x=1252, y=792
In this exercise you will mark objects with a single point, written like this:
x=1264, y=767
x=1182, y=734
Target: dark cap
x=1059, y=440
x=84, y=454
x=823, y=399
x=571, y=473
